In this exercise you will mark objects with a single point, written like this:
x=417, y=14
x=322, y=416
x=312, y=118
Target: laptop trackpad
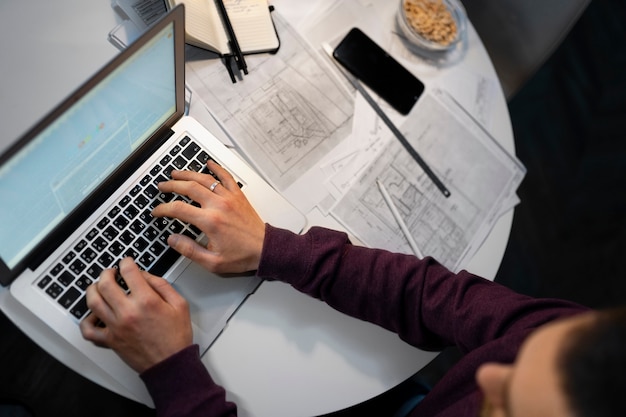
x=212, y=300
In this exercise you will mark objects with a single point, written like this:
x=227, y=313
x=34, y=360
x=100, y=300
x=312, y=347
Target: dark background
x=568, y=238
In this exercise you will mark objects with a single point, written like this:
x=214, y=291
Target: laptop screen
x=45, y=180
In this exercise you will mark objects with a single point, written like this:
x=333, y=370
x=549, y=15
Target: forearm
x=420, y=300
x=181, y=386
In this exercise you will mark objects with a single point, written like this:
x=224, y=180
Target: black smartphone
x=378, y=70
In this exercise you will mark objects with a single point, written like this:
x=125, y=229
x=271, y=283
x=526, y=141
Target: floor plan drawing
x=287, y=114
x=481, y=178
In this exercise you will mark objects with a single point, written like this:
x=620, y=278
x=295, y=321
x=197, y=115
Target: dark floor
x=569, y=233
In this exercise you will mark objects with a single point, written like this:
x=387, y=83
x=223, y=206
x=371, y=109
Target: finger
x=180, y=210
x=226, y=178
x=167, y=292
x=96, y=302
x=133, y=276
x=108, y=290
x=190, y=249
x=190, y=184
x=92, y=331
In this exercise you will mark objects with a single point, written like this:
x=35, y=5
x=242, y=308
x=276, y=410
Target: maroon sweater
x=425, y=304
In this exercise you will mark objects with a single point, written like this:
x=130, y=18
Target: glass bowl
x=432, y=25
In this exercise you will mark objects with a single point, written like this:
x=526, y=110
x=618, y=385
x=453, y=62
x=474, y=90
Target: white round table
x=283, y=353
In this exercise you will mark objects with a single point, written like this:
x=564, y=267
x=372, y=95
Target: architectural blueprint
x=481, y=176
x=286, y=114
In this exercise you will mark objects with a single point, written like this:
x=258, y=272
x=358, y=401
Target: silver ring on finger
x=215, y=184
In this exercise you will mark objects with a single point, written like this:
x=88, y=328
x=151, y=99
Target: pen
x=398, y=217
x=416, y=156
x=229, y=68
x=233, y=44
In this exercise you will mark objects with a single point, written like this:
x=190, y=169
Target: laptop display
x=76, y=153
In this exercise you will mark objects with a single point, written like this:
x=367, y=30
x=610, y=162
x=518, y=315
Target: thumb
x=165, y=290
x=187, y=247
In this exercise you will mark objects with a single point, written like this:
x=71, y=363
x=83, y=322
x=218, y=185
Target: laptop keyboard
x=127, y=229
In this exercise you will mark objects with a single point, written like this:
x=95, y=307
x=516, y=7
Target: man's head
x=575, y=367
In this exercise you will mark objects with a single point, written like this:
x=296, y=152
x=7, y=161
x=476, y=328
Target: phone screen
x=379, y=71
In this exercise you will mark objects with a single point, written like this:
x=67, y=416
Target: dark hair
x=592, y=366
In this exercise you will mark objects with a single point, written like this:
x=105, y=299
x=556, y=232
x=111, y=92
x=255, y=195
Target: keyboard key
x=83, y=282
x=151, y=191
x=175, y=150
x=110, y=233
x=179, y=162
x=54, y=290
x=154, y=171
x=68, y=258
x=176, y=227
x=80, y=245
x=184, y=141
x=105, y=260
x=44, y=282
x=164, y=263
x=94, y=271
x=92, y=233
x=165, y=160
x=99, y=243
x=65, y=278
x=203, y=157
x=135, y=190
x=164, y=236
x=127, y=237
x=137, y=226
x=88, y=255
x=103, y=222
x=114, y=212
x=131, y=212
x=141, y=201
x=156, y=248
x=194, y=166
x=77, y=266
x=191, y=150
x=146, y=216
x=161, y=223
x=167, y=197
x=80, y=309
x=146, y=260
x=116, y=248
x=145, y=180
x=69, y=297
x=160, y=178
x=124, y=201
x=140, y=244
x=168, y=171
x=151, y=233
x=132, y=253
x=55, y=271
x=120, y=222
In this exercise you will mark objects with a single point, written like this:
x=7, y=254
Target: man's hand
x=146, y=326
x=234, y=230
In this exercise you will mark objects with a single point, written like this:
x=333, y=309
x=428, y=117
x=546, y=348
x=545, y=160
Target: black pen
x=229, y=68
x=232, y=43
x=396, y=132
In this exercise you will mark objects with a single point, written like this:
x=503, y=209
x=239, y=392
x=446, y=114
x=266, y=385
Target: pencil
x=233, y=43
x=399, y=220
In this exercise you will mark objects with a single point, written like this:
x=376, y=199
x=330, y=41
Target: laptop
x=82, y=183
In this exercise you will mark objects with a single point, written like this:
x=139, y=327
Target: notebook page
x=252, y=23
x=203, y=25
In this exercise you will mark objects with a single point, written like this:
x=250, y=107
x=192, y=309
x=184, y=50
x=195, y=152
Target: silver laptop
x=82, y=183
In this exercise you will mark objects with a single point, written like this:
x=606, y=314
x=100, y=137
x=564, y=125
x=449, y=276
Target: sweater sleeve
x=424, y=303
x=181, y=386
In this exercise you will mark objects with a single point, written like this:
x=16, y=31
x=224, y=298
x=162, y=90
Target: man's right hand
x=234, y=230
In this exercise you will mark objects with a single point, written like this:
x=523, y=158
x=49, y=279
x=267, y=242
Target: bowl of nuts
x=432, y=25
